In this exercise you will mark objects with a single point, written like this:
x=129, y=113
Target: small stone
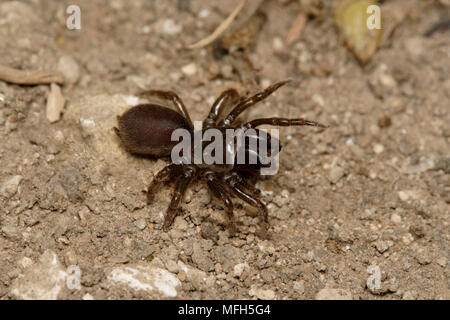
x=70, y=258
x=204, y=13
x=383, y=246
x=25, y=262
x=189, y=69
x=239, y=269
x=407, y=238
x=55, y=103
x=409, y=295
x=69, y=69
x=299, y=286
x=140, y=223
x=87, y=296
x=335, y=174
x=146, y=278
x=10, y=187
x=422, y=166
x=378, y=148
x=334, y=294
x=395, y=218
x=170, y=27
x=423, y=257
x=403, y=195
x=387, y=81
x=261, y=293
x=11, y=233
x=442, y=261
x=278, y=45
x=317, y=98
x=41, y=281
x=172, y=266
x=415, y=46
x=226, y=71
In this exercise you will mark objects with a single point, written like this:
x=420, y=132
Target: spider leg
x=248, y=197
x=172, y=97
x=181, y=186
x=227, y=97
x=160, y=177
x=246, y=185
x=283, y=122
x=221, y=193
x=245, y=104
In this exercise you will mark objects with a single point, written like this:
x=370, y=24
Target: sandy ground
x=365, y=200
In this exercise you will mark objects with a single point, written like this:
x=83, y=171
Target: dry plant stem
x=220, y=29
x=30, y=77
x=296, y=29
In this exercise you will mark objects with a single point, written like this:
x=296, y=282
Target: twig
x=220, y=29
x=30, y=77
x=296, y=29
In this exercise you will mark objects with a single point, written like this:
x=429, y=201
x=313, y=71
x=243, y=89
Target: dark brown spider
x=146, y=129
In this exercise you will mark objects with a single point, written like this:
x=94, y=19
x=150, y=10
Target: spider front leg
x=181, y=185
x=226, y=98
x=282, y=122
x=245, y=104
x=172, y=97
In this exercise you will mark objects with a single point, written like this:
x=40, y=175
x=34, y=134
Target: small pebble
x=415, y=46
x=69, y=69
x=204, y=13
x=278, y=44
x=262, y=294
x=387, y=81
x=25, y=262
x=299, y=287
x=403, y=195
x=442, y=261
x=170, y=27
x=189, y=69
x=378, y=148
x=55, y=103
x=395, y=218
x=10, y=187
x=334, y=294
x=239, y=269
x=87, y=296
x=140, y=223
x=335, y=174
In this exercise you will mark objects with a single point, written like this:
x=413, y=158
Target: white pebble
x=204, y=13
x=9, y=188
x=395, y=218
x=335, y=174
x=69, y=69
x=189, y=69
x=317, y=98
x=378, y=148
x=239, y=269
x=261, y=293
x=387, y=81
x=140, y=224
x=170, y=27
x=403, y=195
x=87, y=296
x=278, y=44
x=55, y=103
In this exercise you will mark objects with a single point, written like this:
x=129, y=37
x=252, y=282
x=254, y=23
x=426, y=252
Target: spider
x=146, y=129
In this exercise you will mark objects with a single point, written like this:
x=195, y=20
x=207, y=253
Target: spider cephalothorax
x=147, y=129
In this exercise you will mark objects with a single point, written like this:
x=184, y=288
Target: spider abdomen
x=147, y=129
